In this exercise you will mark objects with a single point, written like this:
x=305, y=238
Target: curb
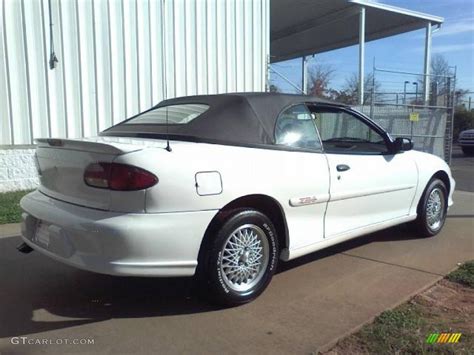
x=10, y=230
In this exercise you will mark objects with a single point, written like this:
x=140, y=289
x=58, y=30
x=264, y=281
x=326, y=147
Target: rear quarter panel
x=244, y=171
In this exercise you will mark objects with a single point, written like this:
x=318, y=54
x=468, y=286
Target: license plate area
x=42, y=233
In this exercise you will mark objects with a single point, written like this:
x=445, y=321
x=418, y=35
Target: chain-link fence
x=408, y=88
x=397, y=101
x=427, y=127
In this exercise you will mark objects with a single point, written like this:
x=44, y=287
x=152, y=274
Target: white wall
x=117, y=58
x=17, y=169
x=114, y=60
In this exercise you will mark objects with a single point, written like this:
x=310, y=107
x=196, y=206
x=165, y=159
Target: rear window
x=176, y=114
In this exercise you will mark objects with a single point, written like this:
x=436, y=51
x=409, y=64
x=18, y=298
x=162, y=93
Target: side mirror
x=402, y=144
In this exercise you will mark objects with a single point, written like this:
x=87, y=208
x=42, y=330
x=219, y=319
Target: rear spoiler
x=87, y=146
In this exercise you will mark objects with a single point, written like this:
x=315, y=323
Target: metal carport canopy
x=304, y=27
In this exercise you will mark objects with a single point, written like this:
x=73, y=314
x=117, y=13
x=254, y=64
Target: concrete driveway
x=311, y=302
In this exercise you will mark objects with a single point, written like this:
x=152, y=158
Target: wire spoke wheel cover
x=245, y=257
x=435, y=209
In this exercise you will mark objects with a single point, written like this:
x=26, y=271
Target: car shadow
x=34, y=284
x=400, y=232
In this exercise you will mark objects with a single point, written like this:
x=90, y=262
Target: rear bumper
x=127, y=244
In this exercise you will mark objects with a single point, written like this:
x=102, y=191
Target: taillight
x=115, y=176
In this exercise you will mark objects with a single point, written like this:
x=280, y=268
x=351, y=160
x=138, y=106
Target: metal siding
x=190, y=40
x=230, y=46
x=221, y=47
x=256, y=45
x=131, y=54
x=71, y=69
x=5, y=107
x=117, y=58
x=143, y=26
x=117, y=62
x=17, y=73
x=87, y=67
x=169, y=46
x=248, y=33
x=56, y=77
x=201, y=42
x=240, y=45
x=103, y=70
x=212, y=50
x=38, y=73
x=179, y=45
x=265, y=40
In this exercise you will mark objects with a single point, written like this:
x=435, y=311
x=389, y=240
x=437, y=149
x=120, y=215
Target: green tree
x=462, y=120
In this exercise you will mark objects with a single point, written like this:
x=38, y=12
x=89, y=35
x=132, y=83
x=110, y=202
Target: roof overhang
x=304, y=27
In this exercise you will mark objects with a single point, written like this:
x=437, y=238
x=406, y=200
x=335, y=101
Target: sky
x=455, y=41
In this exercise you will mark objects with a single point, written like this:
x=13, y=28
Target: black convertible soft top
x=237, y=118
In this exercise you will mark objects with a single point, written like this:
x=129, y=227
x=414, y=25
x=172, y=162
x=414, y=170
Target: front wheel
x=432, y=209
x=242, y=258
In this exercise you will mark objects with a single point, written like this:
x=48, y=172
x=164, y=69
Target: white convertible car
x=225, y=186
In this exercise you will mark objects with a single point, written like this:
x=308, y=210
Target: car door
x=368, y=184
x=304, y=168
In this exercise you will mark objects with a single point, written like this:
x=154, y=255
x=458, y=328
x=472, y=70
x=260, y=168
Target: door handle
x=342, y=167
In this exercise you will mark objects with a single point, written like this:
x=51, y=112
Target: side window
x=296, y=128
x=342, y=132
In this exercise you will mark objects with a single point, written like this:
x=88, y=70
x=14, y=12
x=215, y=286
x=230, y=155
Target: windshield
x=175, y=114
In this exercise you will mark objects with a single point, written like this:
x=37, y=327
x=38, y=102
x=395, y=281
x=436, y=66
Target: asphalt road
x=462, y=168
x=310, y=303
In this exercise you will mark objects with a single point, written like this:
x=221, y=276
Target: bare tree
x=439, y=73
x=349, y=92
x=442, y=82
x=320, y=76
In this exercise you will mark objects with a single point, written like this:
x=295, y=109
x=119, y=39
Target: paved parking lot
x=311, y=302
x=462, y=167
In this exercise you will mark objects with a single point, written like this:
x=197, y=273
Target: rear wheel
x=241, y=258
x=432, y=208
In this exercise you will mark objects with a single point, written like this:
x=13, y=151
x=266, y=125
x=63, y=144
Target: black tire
x=422, y=223
x=213, y=271
x=469, y=151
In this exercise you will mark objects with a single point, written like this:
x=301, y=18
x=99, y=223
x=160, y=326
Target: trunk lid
x=62, y=162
